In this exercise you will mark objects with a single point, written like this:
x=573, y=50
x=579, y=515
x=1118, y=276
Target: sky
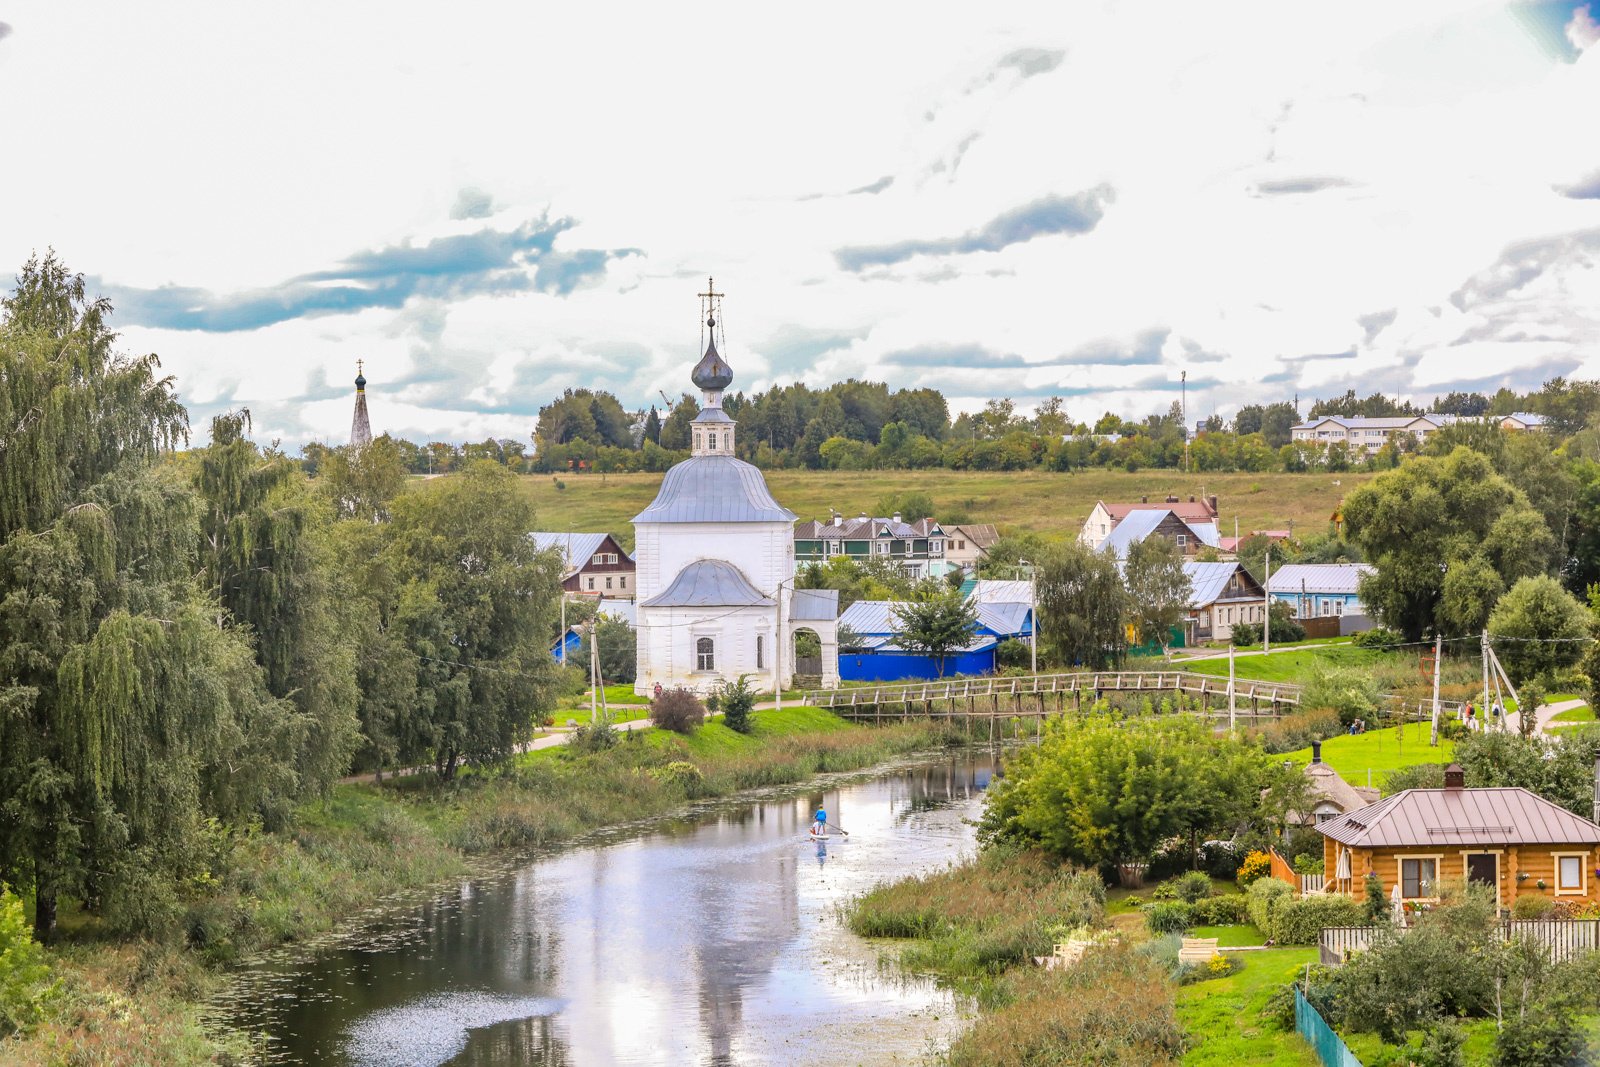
x=490, y=203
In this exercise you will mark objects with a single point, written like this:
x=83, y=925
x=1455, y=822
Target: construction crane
x=664, y=398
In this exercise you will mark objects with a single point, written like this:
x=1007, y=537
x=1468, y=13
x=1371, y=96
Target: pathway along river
x=711, y=939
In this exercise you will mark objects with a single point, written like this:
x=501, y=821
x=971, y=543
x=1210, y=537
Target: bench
x=1198, y=950
x=1066, y=954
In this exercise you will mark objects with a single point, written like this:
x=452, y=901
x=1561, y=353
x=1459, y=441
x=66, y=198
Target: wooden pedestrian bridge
x=1042, y=695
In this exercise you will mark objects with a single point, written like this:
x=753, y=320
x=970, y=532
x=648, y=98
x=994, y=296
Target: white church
x=715, y=556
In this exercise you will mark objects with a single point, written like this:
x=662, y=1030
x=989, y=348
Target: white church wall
x=667, y=640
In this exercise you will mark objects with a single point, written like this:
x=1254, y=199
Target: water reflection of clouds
x=432, y=1030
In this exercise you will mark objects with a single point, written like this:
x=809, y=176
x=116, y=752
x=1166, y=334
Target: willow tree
x=128, y=716
x=264, y=546
x=476, y=603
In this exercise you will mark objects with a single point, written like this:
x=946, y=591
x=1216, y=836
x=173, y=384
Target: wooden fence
x=1562, y=938
x=1032, y=695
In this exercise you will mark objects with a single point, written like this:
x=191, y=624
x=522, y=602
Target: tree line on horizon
x=861, y=425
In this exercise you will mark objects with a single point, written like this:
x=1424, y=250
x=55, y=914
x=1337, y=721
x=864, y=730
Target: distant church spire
x=712, y=429
x=360, y=428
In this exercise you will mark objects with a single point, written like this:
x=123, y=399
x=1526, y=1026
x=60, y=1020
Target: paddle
x=840, y=829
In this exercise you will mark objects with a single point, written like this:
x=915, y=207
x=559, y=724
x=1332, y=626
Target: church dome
x=714, y=489
x=712, y=372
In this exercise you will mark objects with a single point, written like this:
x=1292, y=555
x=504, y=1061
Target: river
x=712, y=938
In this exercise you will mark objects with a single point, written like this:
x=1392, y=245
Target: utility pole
x=1483, y=646
x=599, y=675
x=1438, y=650
x=1233, y=710
x=1184, y=379
x=1033, y=613
x=1266, y=623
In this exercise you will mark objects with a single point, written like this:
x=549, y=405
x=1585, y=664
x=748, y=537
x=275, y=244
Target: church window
x=760, y=659
x=713, y=440
x=705, y=658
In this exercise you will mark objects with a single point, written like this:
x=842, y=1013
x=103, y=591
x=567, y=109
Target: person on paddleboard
x=820, y=826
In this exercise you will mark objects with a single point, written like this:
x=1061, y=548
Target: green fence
x=1331, y=1049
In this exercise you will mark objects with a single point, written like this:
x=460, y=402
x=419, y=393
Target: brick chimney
x=1212, y=501
x=1454, y=777
x=1144, y=500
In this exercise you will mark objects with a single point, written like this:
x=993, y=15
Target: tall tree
x=264, y=547
x=476, y=603
x=1158, y=590
x=1081, y=606
x=128, y=716
x=937, y=622
x=1415, y=522
x=1537, y=628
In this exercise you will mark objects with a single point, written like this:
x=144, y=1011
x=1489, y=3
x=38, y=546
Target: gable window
x=1419, y=876
x=1183, y=540
x=1571, y=873
x=705, y=656
x=599, y=558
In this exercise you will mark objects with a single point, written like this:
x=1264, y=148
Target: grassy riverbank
x=979, y=925
x=140, y=1002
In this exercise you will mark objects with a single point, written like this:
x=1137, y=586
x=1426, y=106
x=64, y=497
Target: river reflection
x=712, y=939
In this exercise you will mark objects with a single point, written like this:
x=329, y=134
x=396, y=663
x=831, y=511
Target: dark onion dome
x=361, y=380
x=712, y=372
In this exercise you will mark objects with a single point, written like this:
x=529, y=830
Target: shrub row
x=1176, y=916
x=1289, y=921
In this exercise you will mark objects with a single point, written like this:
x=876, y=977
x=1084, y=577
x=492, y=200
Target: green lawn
x=579, y=714
x=1223, y=1015
x=1583, y=714
x=1286, y=666
x=1231, y=936
x=713, y=737
x=1378, y=751
x=1479, y=1046
x=1043, y=502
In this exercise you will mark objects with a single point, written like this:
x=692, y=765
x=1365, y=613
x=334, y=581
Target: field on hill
x=1042, y=502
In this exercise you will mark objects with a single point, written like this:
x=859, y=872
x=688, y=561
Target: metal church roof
x=714, y=489
x=709, y=583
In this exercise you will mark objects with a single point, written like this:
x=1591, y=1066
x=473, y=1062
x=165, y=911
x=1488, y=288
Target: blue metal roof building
x=875, y=656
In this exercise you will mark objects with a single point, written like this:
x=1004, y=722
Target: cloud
x=472, y=204
x=1031, y=61
x=1298, y=186
x=1583, y=31
x=5, y=30
x=876, y=187
x=936, y=355
x=1583, y=189
x=1523, y=263
x=1048, y=215
x=1374, y=324
x=1143, y=348
x=488, y=261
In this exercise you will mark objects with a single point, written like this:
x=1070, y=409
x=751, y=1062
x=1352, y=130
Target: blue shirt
x=822, y=816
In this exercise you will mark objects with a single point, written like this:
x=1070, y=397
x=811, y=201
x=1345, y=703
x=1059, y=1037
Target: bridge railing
x=1247, y=691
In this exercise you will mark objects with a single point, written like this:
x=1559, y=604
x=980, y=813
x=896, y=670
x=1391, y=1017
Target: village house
x=1200, y=515
x=919, y=547
x=594, y=563
x=1330, y=795
x=1189, y=538
x=1509, y=839
x=1221, y=595
x=966, y=543
x=1316, y=590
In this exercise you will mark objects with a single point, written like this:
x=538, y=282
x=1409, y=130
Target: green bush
x=1306, y=863
x=1226, y=910
x=1378, y=637
x=1352, y=693
x=1264, y=899
x=1168, y=917
x=1297, y=922
x=1531, y=907
x=25, y=988
x=683, y=774
x=1193, y=886
x=591, y=737
x=1298, y=730
x=1540, y=1038
x=677, y=710
x=737, y=700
